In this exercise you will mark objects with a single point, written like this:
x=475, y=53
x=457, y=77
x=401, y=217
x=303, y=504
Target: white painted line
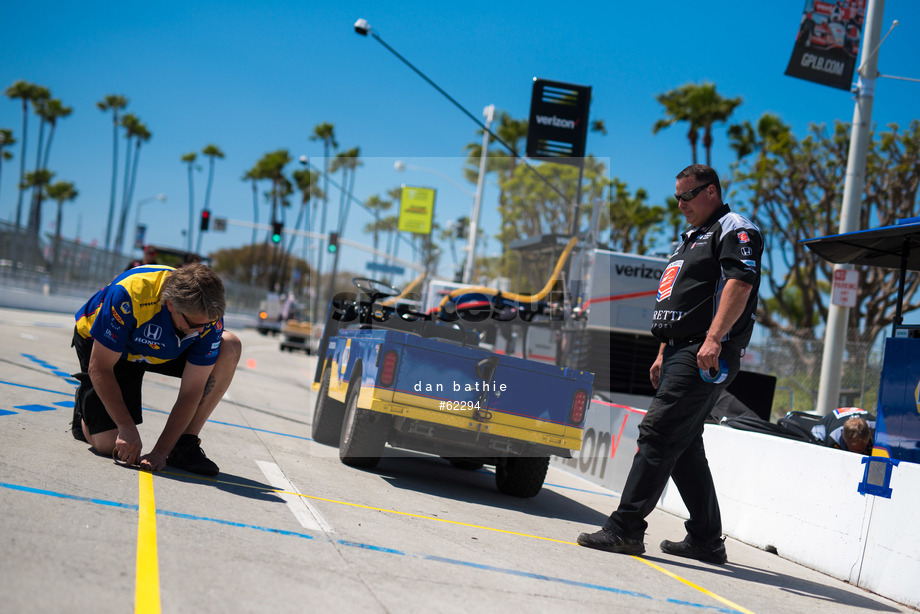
x=307, y=515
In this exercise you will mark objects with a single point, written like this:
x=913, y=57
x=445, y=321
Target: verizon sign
x=846, y=285
x=558, y=125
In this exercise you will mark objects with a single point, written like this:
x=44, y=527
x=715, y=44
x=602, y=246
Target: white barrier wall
x=798, y=498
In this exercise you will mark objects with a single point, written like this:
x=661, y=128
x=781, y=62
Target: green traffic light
x=333, y=248
x=276, y=238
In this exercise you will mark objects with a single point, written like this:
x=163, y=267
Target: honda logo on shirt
x=153, y=332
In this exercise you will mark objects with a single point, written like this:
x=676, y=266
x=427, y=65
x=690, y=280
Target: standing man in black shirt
x=704, y=316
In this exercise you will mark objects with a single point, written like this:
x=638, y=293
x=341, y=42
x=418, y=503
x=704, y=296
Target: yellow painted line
x=377, y=509
x=694, y=586
x=473, y=526
x=147, y=581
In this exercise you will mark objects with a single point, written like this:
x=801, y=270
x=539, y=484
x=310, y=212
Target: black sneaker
x=611, y=542
x=76, y=424
x=714, y=553
x=187, y=454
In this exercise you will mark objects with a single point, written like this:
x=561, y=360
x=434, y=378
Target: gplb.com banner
x=828, y=42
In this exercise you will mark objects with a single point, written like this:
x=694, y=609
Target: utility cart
x=388, y=374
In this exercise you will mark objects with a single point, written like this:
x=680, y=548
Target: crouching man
x=160, y=319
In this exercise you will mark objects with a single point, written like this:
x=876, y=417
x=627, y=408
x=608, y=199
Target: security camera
x=303, y=160
x=362, y=27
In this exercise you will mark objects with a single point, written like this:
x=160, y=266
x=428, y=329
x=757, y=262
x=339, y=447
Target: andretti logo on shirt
x=666, y=285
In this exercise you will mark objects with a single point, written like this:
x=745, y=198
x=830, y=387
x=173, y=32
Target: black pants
x=671, y=446
x=130, y=376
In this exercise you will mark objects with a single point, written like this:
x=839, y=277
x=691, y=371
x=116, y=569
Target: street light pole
x=489, y=113
x=137, y=211
x=836, y=330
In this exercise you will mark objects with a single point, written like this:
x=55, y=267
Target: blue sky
x=253, y=77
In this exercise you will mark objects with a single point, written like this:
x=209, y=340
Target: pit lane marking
x=307, y=515
x=364, y=546
x=670, y=574
x=147, y=578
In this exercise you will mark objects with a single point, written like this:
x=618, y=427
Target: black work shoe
x=611, y=542
x=187, y=454
x=76, y=426
x=714, y=553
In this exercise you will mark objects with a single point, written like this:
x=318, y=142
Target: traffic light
x=462, y=226
x=205, y=219
x=277, y=229
x=333, y=246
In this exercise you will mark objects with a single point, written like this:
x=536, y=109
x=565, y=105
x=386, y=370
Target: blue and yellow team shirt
x=128, y=316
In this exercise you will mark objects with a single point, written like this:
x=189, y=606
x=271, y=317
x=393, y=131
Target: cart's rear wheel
x=327, y=414
x=521, y=476
x=364, y=433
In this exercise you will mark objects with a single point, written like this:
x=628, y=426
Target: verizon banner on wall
x=828, y=42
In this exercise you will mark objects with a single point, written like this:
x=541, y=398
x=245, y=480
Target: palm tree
x=211, y=151
x=251, y=176
x=49, y=110
x=6, y=140
x=114, y=103
x=307, y=182
x=53, y=110
x=141, y=135
x=37, y=180
x=498, y=159
x=25, y=91
x=711, y=108
x=376, y=204
x=61, y=191
x=701, y=107
x=677, y=109
x=348, y=161
x=189, y=159
x=324, y=132
x=271, y=166
x=137, y=130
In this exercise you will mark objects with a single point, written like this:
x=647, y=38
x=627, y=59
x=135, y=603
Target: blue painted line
x=34, y=388
x=6, y=412
x=231, y=523
x=371, y=547
x=527, y=574
x=61, y=495
x=62, y=374
x=702, y=607
x=160, y=411
x=129, y=506
x=593, y=492
x=34, y=407
x=66, y=404
x=240, y=426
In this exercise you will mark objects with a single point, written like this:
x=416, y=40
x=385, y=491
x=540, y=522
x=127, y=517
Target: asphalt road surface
x=286, y=527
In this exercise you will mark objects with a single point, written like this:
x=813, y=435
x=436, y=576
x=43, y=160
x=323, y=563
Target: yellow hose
x=405, y=291
x=522, y=298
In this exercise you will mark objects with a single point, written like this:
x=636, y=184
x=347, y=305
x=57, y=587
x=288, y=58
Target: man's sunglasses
x=191, y=324
x=691, y=194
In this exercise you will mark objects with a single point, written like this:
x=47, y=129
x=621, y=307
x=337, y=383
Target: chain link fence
x=65, y=267
x=795, y=361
